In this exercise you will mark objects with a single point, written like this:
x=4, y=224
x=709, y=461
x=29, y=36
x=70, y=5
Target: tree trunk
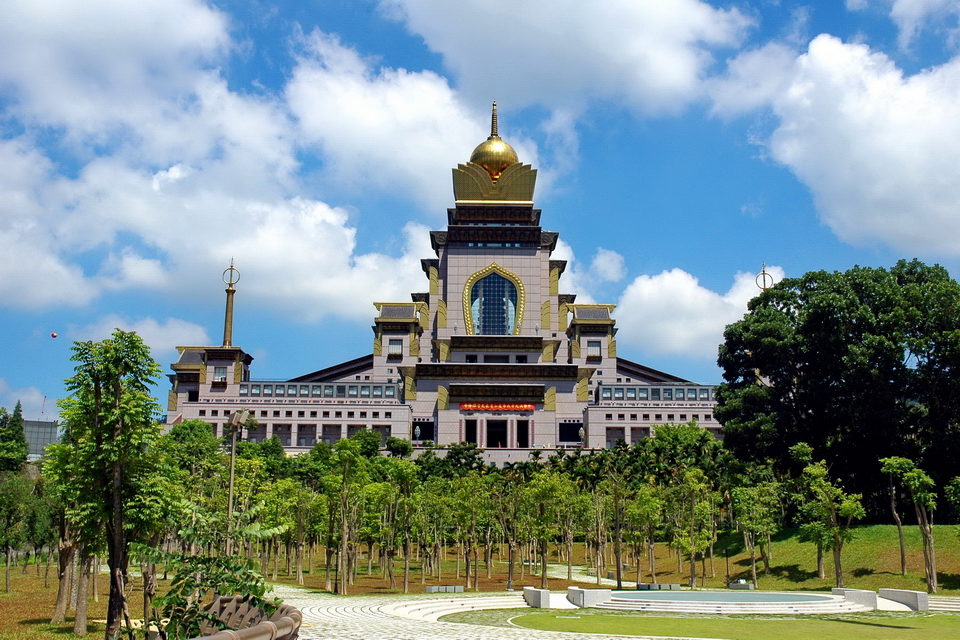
x=896, y=517
x=83, y=583
x=821, y=572
x=65, y=557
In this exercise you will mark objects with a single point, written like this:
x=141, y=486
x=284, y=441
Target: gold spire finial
x=231, y=276
x=493, y=154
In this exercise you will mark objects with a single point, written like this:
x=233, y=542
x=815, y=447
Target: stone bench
x=448, y=588
x=648, y=586
x=248, y=622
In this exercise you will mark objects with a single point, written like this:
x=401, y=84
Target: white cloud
x=562, y=53
x=392, y=129
x=33, y=404
x=160, y=336
x=160, y=174
x=911, y=16
x=876, y=148
x=672, y=314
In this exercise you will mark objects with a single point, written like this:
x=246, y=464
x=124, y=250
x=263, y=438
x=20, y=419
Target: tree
x=756, y=508
x=861, y=365
x=111, y=418
x=824, y=505
x=15, y=499
x=920, y=487
x=13, y=441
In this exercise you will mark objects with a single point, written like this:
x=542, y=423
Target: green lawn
x=879, y=626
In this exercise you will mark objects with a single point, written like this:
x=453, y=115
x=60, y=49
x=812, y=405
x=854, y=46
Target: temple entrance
x=496, y=433
x=523, y=434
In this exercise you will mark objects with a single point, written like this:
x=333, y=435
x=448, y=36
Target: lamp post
x=416, y=433
x=235, y=424
x=582, y=433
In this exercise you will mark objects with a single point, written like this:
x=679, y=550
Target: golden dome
x=493, y=154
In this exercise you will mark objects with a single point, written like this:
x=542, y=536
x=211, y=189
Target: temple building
x=490, y=352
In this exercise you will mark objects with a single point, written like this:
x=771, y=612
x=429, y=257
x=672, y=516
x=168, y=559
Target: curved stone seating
x=248, y=622
x=435, y=609
x=835, y=605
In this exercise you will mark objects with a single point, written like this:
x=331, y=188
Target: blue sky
x=680, y=144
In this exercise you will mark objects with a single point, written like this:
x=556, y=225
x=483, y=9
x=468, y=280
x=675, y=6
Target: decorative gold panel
x=472, y=183
x=414, y=343
x=562, y=316
x=441, y=314
x=555, y=281
x=409, y=387
x=575, y=348
x=377, y=346
x=583, y=390
x=171, y=400
x=545, y=315
x=550, y=399
x=549, y=350
x=472, y=280
x=443, y=398
x=434, y=281
x=237, y=373
x=444, y=349
x=611, y=347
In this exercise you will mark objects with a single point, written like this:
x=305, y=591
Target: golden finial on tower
x=493, y=122
x=764, y=280
x=231, y=276
x=493, y=154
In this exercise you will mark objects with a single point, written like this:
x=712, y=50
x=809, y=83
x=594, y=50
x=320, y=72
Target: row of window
x=495, y=358
x=317, y=391
x=655, y=393
x=658, y=417
x=302, y=414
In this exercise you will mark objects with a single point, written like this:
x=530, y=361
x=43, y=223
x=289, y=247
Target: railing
x=248, y=622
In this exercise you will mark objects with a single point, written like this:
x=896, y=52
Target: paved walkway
x=327, y=617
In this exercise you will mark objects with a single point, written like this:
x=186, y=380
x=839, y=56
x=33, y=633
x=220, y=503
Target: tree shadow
x=861, y=572
x=792, y=572
x=948, y=580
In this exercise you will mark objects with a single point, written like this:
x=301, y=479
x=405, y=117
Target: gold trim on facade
x=472, y=280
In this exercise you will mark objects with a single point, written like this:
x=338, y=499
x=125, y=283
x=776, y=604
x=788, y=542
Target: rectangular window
x=365, y=392
x=349, y=414
x=341, y=391
x=521, y=359
x=620, y=416
x=325, y=414
x=606, y=393
x=633, y=416
x=387, y=414
x=328, y=391
x=276, y=414
x=304, y=390
x=704, y=394
x=631, y=394
x=495, y=358
x=313, y=414
x=618, y=394
x=219, y=374
x=471, y=358
x=390, y=392
x=593, y=349
x=646, y=416
x=668, y=394
x=263, y=414
x=203, y=412
x=338, y=414
x=316, y=391
x=300, y=414
x=669, y=417
x=378, y=392
x=376, y=414
x=609, y=416
x=679, y=394
x=683, y=417
x=363, y=414
x=395, y=348
x=279, y=391
x=288, y=414
x=654, y=394
x=244, y=389
x=214, y=412
x=643, y=394
x=352, y=391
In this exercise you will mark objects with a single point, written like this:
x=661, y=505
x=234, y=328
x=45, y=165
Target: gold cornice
x=512, y=277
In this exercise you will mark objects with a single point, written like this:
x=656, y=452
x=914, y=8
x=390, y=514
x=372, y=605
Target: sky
x=680, y=145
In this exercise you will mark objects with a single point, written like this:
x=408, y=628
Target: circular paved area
x=327, y=617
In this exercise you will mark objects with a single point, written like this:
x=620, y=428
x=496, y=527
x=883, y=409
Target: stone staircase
x=834, y=605
x=944, y=603
x=435, y=609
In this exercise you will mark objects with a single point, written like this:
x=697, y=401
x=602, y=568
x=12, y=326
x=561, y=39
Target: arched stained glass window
x=493, y=305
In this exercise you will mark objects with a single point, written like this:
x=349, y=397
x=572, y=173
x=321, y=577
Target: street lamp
x=581, y=436
x=235, y=424
x=416, y=433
